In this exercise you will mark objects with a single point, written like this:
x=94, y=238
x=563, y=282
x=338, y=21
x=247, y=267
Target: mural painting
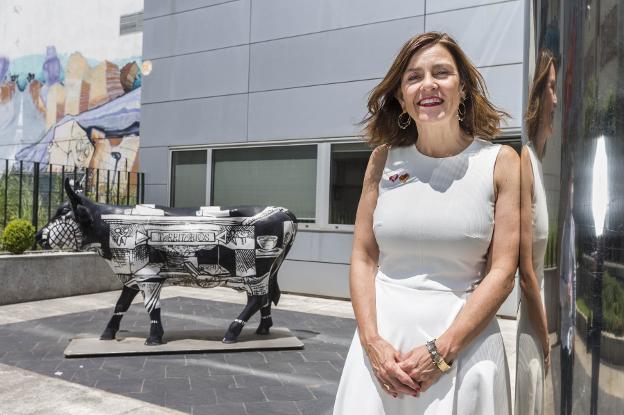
x=70, y=111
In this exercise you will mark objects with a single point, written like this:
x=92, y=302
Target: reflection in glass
x=348, y=165
x=267, y=176
x=587, y=375
x=188, y=178
x=533, y=349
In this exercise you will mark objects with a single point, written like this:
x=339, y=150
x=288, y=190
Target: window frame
x=323, y=173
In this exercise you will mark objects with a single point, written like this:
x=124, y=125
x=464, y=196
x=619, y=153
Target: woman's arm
x=364, y=259
x=482, y=304
x=365, y=252
x=528, y=280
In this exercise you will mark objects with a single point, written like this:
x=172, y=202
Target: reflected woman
x=533, y=347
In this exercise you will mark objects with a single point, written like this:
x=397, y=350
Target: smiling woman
x=435, y=246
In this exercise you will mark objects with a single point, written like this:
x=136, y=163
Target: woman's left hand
x=418, y=365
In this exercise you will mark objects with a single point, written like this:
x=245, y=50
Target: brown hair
x=380, y=125
x=540, y=82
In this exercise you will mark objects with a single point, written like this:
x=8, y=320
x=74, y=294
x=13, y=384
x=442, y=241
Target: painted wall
x=70, y=84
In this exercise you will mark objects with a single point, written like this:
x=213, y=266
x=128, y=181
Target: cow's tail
x=274, y=290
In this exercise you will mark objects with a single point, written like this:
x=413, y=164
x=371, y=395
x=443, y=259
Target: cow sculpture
x=146, y=245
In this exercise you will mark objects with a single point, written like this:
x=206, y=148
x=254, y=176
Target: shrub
x=18, y=236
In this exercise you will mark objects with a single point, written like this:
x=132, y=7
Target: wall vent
x=131, y=23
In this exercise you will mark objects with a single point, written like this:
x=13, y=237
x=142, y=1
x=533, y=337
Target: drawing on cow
x=241, y=247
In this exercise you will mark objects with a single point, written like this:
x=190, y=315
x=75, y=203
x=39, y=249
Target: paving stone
x=173, y=371
x=320, y=356
x=151, y=397
x=301, y=379
x=121, y=386
x=267, y=382
x=256, y=380
x=287, y=393
x=206, y=396
x=212, y=381
x=151, y=372
x=316, y=407
x=166, y=385
x=290, y=356
x=243, y=395
x=273, y=408
x=325, y=391
x=273, y=367
x=179, y=406
x=220, y=409
x=245, y=357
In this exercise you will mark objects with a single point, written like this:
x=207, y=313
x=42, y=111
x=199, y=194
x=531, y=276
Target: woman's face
x=549, y=103
x=430, y=87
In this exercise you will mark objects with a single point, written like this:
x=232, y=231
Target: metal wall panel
x=505, y=90
x=155, y=162
x=271, y=19
x=157, y=194
x=203, y=29
x=322, y=246
x=445, y=5
x=195, y=121
x=310, y=112
x=314, y=278
x=490, y=35
x=206, y=74
x=165, y=7
x=336, y=56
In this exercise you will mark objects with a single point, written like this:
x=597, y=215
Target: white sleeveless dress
x=433, y=223
x=530, y=357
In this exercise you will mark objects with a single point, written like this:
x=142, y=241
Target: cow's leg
x=151, y=300
x=254, y=303
x=123, y=303
x=265, y=320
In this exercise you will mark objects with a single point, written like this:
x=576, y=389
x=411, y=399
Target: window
x=267, y=176
x=188, y=178
x=348, y=164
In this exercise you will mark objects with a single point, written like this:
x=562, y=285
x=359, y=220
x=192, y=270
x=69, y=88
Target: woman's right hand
x=546, y=351
x=384, y=359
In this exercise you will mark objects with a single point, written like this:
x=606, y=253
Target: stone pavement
x=36, y=378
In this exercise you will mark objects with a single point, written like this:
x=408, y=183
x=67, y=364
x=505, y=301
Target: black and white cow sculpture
x=146, y=245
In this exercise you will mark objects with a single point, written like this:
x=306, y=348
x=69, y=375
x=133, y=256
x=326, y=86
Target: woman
x=533, y=349
x=429, y=269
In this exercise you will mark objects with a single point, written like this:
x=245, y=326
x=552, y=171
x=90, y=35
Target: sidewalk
x=36, y=378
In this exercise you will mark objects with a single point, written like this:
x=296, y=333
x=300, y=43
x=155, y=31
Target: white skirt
x=478, y=383
x=529, y=368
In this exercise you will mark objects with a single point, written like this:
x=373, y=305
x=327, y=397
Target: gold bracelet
x=436, y=358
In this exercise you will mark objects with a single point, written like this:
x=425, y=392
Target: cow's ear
x=82, y=215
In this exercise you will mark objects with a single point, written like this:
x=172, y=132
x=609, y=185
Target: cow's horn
x=74, y=199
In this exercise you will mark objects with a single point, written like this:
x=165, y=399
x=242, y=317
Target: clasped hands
x=410, y=373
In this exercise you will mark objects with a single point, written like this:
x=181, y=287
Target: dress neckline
x=472, y=143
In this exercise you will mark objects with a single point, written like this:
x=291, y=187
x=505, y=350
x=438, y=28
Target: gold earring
x=461, y=113
x=403, y=124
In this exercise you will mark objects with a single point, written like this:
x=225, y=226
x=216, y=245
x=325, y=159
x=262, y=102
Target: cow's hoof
x=263, y=331
x=232, y=333
x=264, y=328
x=153, y=341
x=109, y=334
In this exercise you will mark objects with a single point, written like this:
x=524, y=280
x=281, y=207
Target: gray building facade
x=258, y=101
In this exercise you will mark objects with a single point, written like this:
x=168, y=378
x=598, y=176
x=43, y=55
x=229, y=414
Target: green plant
x=18, y=236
